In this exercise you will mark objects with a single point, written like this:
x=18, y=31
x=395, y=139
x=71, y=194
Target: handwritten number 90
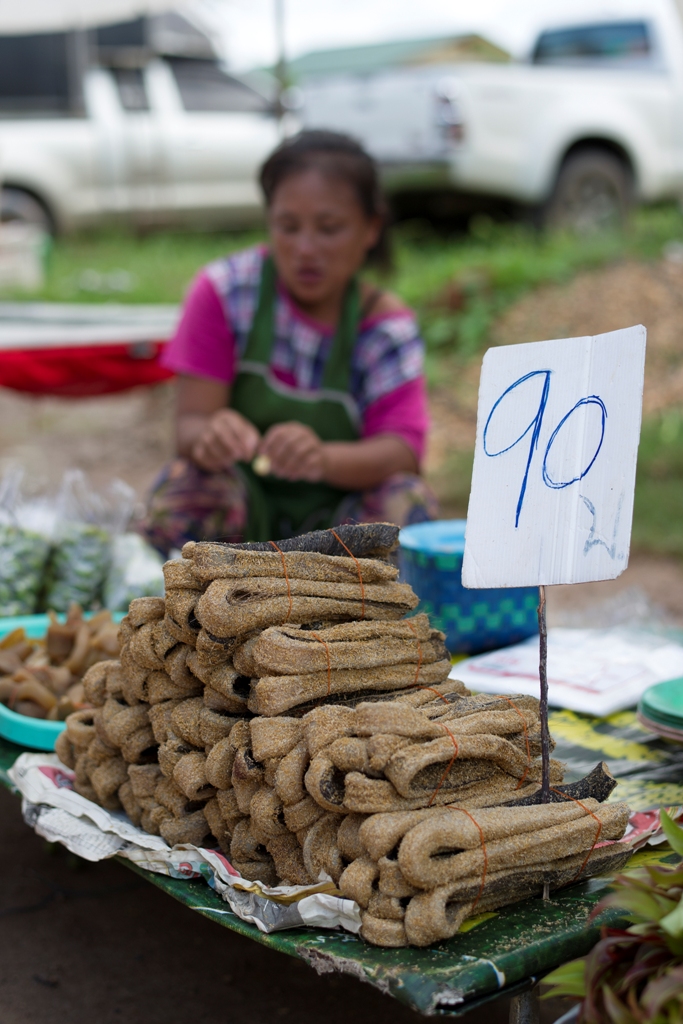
x=535, y=428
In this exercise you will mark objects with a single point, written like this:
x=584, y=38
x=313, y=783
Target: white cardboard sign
x=558, y=426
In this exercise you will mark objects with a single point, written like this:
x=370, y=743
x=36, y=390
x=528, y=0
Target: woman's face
x=319, y=235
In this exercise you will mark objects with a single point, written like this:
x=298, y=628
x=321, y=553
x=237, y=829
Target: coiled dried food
x=143, y=610
x=212, y=561
x=275, y=695
x=219, y=762
x=288, y=860
x=288, y=650
x=364, y=540
x=130, y=803
x=180, y=614
x=192, y=829
x=232, y=608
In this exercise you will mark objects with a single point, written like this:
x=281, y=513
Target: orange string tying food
x=526, y=738
x=479, y=829
x=431, y=690
x=284, y=569
x=329, y=661
x=411, y=627
x=566, y=796
x=448, y=767
x=360, y=574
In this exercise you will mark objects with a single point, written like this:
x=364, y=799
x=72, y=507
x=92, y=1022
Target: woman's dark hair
x=338, y=156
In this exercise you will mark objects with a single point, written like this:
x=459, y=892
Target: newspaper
x=595, y=671
x=56, y=812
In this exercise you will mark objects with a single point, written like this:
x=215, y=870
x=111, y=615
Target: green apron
x=283, y=508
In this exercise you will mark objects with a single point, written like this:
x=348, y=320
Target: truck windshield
x=626, y=42
x=204, y=87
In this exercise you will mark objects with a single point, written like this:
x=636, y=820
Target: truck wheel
x=19, y=207
x=594, y=191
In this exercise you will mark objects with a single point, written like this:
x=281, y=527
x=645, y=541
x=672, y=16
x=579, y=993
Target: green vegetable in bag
x=23, y=557
x=87, y=521
x=78, y=567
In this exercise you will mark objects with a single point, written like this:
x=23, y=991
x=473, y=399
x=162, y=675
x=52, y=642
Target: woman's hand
x=226, y=438
x=295, y=452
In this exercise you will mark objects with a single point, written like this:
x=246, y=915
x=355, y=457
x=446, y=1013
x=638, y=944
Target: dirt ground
x=85, y=942
x=594, y=302
x=605, y=300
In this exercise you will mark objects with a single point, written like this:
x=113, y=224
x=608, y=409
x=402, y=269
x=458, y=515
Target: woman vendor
x=301, y=398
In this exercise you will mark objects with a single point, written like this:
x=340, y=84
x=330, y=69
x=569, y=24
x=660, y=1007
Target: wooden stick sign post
x=558, y=426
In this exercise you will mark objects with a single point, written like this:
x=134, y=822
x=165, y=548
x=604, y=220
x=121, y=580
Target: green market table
x=508, y=952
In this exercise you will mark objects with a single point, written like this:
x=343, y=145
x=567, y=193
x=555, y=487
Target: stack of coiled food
x=418, y=875
x=279, y=703
x=155, y=740
x=443, y=815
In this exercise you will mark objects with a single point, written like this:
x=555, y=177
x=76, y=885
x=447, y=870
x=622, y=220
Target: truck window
x=623, y=42
x=34, y=74
x=122, y=35
x=204, y=87
x=130, y=84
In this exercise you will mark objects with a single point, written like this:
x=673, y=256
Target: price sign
x=558, y=427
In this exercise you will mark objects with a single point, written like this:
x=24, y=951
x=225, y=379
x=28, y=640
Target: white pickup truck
x=117, y=132
x=590, y=123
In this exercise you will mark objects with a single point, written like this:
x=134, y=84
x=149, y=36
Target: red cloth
x=83, y=371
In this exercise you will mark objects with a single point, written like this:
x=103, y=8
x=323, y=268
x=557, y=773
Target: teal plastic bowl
x=663, y=703
x=430, y=557
x=35, y=733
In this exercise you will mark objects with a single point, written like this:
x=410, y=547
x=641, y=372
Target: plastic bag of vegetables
x=24, y=549
x=136, y=571
x=81, y=557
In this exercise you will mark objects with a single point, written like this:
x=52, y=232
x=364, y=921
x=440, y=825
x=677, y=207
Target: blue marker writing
x=559, y=484
x=534, y=426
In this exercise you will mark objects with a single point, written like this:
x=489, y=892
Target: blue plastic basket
x=430, y=558
x=36, y=733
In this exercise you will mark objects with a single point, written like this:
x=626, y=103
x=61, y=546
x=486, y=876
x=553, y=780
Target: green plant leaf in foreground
x=672, y=831
x=634, y=975
x=666, y=877
x=568, y=980
x=636, y=894
x=673, y=922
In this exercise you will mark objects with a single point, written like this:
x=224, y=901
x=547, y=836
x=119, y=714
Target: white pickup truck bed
x=579, y=135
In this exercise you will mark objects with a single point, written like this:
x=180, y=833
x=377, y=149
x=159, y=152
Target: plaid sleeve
x=389, y=353
x=236, y=280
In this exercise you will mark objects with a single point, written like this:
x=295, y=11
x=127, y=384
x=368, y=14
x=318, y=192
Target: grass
x=658, y=508
x=457, y=284
x=460, y=288
x=114, y=266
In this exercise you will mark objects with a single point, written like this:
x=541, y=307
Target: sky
x=246, y=27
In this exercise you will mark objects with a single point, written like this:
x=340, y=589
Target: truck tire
x=593, y=192
x=20, y=207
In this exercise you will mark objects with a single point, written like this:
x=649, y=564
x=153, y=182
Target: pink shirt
x=387, y=380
